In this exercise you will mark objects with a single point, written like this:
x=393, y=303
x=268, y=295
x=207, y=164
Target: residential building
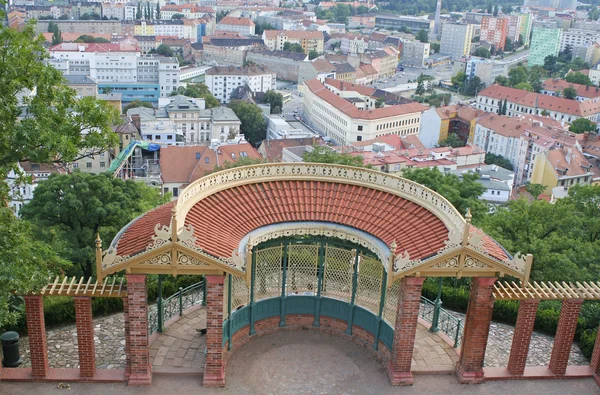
x=438, y=123
x=576, y=38
x=229, y=51
x=545, y=41
x=526, y=25
x=354, y=44
x=555, y=87
x=278, y=128
x=20, y=192
x=494, y=31
x=561, y=168
x=515, y=23
x=82, y=27
x=309, y=40
x=189, y=11
x=180, y=166
x=347, y=112
x=241, y=25
x=221, y=81
x=317, y=68
x=147, y=43
x=498, y=182
x=414, y=53
x=345, y=72
x=272, y=150
x=285, y=64
x=456, y=39
x=385, y=61
x=520, y=102
x=83, y=85
x=396, y=22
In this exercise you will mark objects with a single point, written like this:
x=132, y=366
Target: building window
x=102, y=164
x=360, y=128
x=358, y=138
x=175, y=192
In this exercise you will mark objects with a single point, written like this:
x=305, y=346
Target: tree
x=341, y=12
x=525, y=86
x=535, y=190
x=422, y=36
x=435, y=47
x=361, y=9
x=578, y=78
x=507, y=9
x=474, y=86
x=482, y=52
x=458, y=80
x=158, y=10
x=492, y=159
x=25, y=266
x=313, y=55
x=325, y=154
x=89, y=204
x=582, y=125
x=56, y=37
x=505, y=107
x=253, y=125
x=420, y=91
x=517, y=75
x=178, y=16
x=275, y=100
x=462, y=193
x=165, y=50
x=502, y=80
x=551, y=64
x=292, y=47
x=500, y=107
x=138, y=12
x=198, y=91
x=570, y=93
x=495, y=12
x=52, y=27
x=451, y=141
x=380, y=102
x=565, y=55
x=509, y=45
x=490, y=8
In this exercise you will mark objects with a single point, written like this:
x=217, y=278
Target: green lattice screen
x=225, y=297
x=338, y=270
x=368, y=291
x=267, y=283
x=391, y=303
x=240, y=293
x=303, y=264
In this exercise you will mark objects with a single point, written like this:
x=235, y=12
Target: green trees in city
x=570, y=93
x=198, y=91
x=325, y=154
x=88, y=204
x=313, y=55
x=492, y=159
x=578, y=78
x=292, y=47
x=482, y=52
x=253, y=125
x=582, y=125
x=422, y=36
x=275, y=100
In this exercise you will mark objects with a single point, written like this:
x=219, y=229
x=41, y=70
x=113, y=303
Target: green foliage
x=525, y=86
x=198, y=91
x=578, y=78
x=177, y=16
x=582, y=125
x=570, y=93
x=243, y=161
x=482, y=52
x=221, y=15
x=85, y=38
x=90, y=17
x=451, y=141
x=275, y=100
x=253, y=125
x=492, y=159
x=313, y=55
x=70, y=209
x=259, y=28
x=380, y=102
x=502, y=80
x=458, y=80
x=535, y=190
x=422, y=36
x=165, y=50
x=137, y=103
x=435, y=47
x=292, y=47
x=324, y=154
x=473, y=86
x=461, y=193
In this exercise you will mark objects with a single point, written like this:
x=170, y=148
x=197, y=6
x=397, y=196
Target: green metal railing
x=446, y=322
x=176, y=304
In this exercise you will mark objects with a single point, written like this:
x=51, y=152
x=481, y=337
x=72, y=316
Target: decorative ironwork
x=338, y=270
x=268, y=275
x=73, y=286
x=162, y=235
x=179, y=301
x=451, y=263
x=368, y=290
x=240, y=293
x=162, y=259
x=447, y=323
x=225, y=298
x=184, y=259
x=550, y=290
x=302, y=268
x=391, y=303
x=471, y=262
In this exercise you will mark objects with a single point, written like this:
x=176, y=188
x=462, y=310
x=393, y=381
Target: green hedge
x=456, y=297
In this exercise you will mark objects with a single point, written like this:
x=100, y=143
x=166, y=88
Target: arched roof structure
x=203, y=230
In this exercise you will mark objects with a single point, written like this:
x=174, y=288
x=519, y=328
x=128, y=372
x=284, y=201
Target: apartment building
x=414, y=53
x=309, y=40
x=396, y=22
x=189, y=11
x=494, y=30
x=347, y=112
x=222, y=81
x=438, y=123
x=577, y=38
x=561, y=168
x=520, y=102
x=545, y=41
x=555, y=87
x=240, y=25
x=456, y=39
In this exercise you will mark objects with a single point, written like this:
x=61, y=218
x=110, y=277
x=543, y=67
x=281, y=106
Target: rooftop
x=294, y=34
x=237, y=21
x=230, y=70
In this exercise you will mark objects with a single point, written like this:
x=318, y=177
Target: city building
x=545, y=41
x=309, y=40
x=385, y=61
x=438, y=123
x=82, y=27
x=555, y=87
x=221, y=81
x=520, y=102
x=278, y=128
x=229, y=51
x=396, y=22
x=285, y=64
x=20, y=190
x=189, y=11
x=494, y=31
x=456, y=39
x=345, y=72
x=347, y=112
x=577, y=38
x=414, y=53
x=561, y=168
x=82, y=84
x=498, y=182
x=241, y=25
x=526, y=25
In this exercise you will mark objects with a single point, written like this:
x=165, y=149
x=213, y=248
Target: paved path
x=307, y=362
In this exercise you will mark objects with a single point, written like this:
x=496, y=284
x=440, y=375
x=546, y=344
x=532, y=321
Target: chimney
x=135, y=119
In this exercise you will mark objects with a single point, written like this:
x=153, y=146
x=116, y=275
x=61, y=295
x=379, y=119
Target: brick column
x=407, y=315
x=565, y=333
x=595, y=360
x=214, y=374
x=36, y=330
x=522, y=336
x=126, y=333
x=469, y=368
x=85, y=336
x=136, y=327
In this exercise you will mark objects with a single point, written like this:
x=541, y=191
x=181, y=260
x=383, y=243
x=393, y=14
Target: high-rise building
x=414, y=53
x=577, y=38
x=526, y=24
x=436, y=26
x=494, y=31
x=514, y=27
x=456, y=39
x=545, y=41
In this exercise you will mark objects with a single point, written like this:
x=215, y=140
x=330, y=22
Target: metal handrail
x=448, y=323
x=175, y=304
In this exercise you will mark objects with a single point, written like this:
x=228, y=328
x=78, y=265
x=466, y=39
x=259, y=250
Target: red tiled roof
x=558, y=85
x=381, y=214
x=229, y=20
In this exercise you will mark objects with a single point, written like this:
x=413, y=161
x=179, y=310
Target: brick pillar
x=36, y=329
x=85, y=336
x=522, y=336
x=595, y=360
x=469, y=368
x=136, y=327
x=407, y=315
x=126, y=333
x=214, y=374
x=565, y=333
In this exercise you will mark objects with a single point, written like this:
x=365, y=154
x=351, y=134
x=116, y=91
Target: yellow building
x=457, y=118
x=560, y=169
